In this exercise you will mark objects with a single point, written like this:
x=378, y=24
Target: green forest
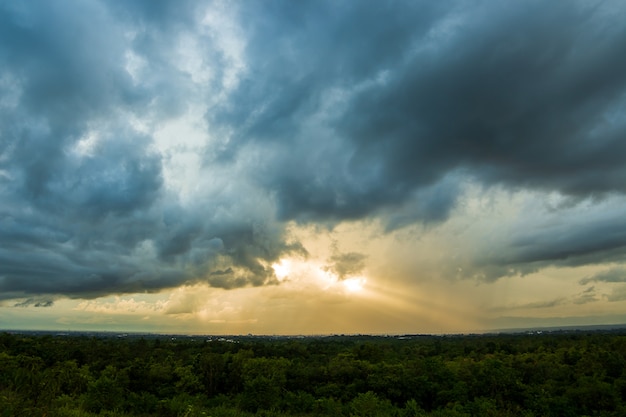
x=577, y=373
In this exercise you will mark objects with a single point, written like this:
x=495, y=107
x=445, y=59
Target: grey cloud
x=298, y=51
x=617, y=294
x=347, y=264
x=567, y=239
x=119, y=255
x=595, y=242
x=505, y=97
x=525, y=95
x=65, y=71
x=99, y=221
x=587, y=296
x=35, y=303
x=284, y=104
x=350, y=110
x=430, y=205
x=612, y=275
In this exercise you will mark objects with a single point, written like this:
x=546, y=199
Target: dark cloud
x=520, y=96
x=338, y=111
x=35, y=303
x=527, y=95
x=297, y=52
x=85, y=211
x=303, y=60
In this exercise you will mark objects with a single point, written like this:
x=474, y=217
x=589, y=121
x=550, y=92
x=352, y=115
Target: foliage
x=552, y=374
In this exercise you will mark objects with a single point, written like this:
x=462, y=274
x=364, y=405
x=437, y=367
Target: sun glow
x=354, y=285
x=299, y=272
x=282, y=269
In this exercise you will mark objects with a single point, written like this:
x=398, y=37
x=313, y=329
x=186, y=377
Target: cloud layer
x=144, y=146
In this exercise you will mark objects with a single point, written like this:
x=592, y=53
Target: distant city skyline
x=279, y=167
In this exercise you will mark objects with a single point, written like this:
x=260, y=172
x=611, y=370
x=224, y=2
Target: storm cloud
x=309, y=113
x=525, y=95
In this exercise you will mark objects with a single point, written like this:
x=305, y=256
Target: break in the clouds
x=149, y=145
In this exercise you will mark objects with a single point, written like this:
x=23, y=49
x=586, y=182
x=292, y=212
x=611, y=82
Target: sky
x=312, y=167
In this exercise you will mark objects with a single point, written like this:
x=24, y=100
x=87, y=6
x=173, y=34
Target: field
x=574, y=373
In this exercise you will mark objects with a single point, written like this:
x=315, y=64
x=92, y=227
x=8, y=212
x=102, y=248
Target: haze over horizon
x=312, y=167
